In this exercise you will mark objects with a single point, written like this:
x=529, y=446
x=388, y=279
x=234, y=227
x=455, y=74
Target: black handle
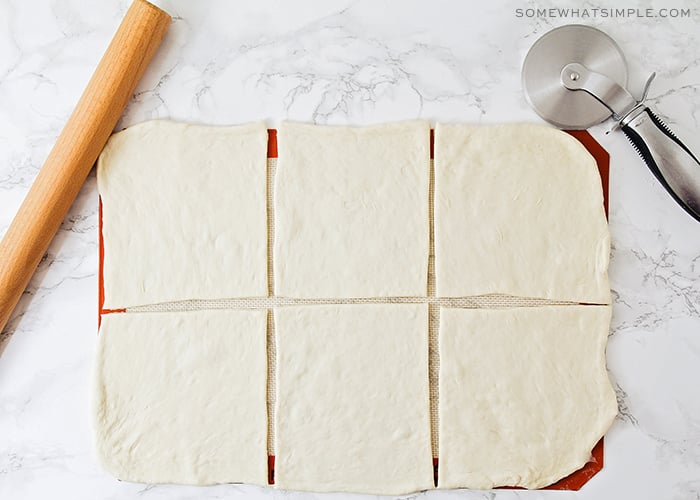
x=671, y=162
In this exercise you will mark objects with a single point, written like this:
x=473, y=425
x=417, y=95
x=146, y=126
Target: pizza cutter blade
x=575, y=76
x=542, y=69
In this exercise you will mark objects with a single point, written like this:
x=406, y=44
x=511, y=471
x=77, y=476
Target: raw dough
x=518, y=211
x=351, y=211
x=184, y=213
x=524, y=394
x=181, y=397
x=352, y=399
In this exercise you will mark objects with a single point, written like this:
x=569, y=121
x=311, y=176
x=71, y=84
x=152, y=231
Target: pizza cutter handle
x=671, y=162
x=81, y=141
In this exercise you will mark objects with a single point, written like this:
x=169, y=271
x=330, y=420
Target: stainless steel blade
x=542, y=69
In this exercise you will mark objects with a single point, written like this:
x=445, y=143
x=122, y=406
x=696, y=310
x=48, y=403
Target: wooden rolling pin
x=77, y=148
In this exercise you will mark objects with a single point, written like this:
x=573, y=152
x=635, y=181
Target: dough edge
x=415, y=485
x=598, y=294
x=609, y=406
x=161, y=127
x=97, y=407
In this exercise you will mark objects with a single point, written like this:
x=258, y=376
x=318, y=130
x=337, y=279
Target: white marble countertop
x=343, y=62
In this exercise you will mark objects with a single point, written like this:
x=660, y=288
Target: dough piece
x=524, y=394
x=184, y=213
x=181, y=397
x=351, y=211
x=518, y=211
x=352, y=399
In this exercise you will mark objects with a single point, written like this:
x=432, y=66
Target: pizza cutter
x=575, y=76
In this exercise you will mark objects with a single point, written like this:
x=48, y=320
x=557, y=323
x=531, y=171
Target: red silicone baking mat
x=572, y=482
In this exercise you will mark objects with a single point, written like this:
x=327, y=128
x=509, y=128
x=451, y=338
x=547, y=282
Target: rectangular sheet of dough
x=181, y=397
x=352, y=399
x=184, y=213
x=351, y=211
x=524, y=394
x=518, y=211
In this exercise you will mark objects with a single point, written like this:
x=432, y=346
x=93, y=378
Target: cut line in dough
x=370, y=360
